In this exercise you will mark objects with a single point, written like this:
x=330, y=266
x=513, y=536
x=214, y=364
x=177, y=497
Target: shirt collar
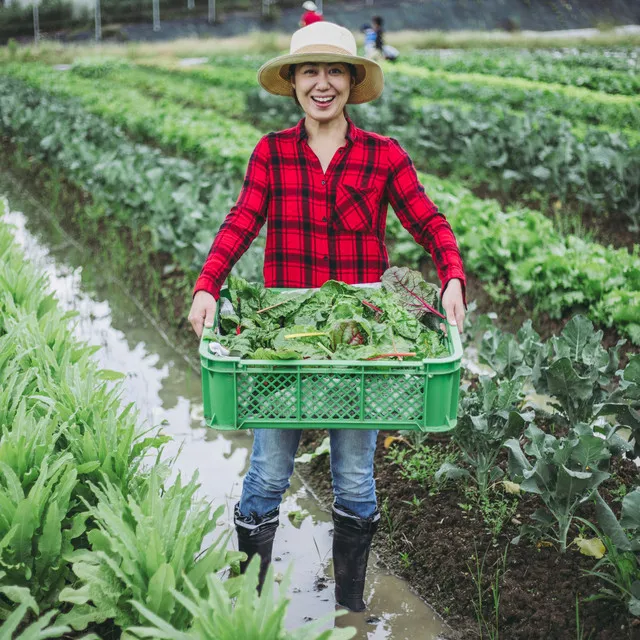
x=352, y=131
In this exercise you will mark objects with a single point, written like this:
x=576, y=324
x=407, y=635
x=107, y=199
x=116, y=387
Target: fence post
x=211, y=15
x=156, y=15
x=191, y=4
x=98, y=21
x=36, y=22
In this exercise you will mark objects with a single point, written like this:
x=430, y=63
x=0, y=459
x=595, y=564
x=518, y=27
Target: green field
x=532, y=155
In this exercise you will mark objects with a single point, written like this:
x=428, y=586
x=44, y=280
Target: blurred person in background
x=370, y=37
x=311, y=14
x=323, y=188
x=384, y=51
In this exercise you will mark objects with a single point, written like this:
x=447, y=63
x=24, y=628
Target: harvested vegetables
x=397, y=321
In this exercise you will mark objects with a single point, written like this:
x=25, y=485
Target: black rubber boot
x=256, y=538
x=351, y=543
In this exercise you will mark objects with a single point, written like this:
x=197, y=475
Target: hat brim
x=273, y=75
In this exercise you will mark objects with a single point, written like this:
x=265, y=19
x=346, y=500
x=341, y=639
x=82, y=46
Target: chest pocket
x=355, y=208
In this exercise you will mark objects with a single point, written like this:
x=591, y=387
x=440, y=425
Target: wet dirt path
x=166, y=390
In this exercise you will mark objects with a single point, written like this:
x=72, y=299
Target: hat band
x=322, y=48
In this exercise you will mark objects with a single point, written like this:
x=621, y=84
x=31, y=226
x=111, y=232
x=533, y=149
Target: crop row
x=508, y=65
x=200, y=133
x=572, y=103
x=511, y=152
x=183, y=207
x=482, y=142
x=198, y=87
x=562, y=457
x=89, y=533
x=624, y=59
x=180, y=203
x=514, y=153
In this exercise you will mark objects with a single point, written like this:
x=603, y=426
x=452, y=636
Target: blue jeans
x=271, y=467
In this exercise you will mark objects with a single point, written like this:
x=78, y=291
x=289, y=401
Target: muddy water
x=166, y=390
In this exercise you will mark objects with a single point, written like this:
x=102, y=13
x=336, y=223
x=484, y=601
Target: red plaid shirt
x=323, y=226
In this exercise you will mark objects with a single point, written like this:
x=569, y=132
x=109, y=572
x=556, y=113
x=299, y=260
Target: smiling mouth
x=324, y=100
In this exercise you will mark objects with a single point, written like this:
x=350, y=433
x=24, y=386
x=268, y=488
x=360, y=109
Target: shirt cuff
x=205, y=283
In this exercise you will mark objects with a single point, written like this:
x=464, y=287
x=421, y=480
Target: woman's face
x=322, y=89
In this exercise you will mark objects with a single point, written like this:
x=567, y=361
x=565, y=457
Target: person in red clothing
x=311, y=14
x=323, y=188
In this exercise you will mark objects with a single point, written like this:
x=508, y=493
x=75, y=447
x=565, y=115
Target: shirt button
x=325, y=258
x=324, y=218
x=324, y=182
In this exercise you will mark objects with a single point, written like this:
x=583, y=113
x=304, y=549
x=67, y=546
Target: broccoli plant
x=565, y=473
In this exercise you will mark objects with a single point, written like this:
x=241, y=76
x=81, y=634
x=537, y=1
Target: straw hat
x=309, y=6
x=323, y=42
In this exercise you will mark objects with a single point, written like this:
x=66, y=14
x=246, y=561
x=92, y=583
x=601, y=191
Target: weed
x=415, y=503
x=620, y=491
x=497, y=511
x=579, y=628
x=392, y=526
x=419, y=464
x=404, y=558
x=488, y=625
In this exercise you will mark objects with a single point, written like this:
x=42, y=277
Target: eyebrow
x=317, y=64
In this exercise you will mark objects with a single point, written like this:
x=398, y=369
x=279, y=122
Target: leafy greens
x=337, y=321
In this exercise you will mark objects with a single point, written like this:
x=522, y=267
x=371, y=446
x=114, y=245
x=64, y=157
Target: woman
x=323, y=188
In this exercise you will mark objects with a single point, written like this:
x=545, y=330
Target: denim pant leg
x=352, y=452
x=270, y=468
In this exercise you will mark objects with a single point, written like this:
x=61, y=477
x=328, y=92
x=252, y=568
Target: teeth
x=323, y=99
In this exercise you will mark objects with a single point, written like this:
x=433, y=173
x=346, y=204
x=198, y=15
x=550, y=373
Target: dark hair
x=377, y=20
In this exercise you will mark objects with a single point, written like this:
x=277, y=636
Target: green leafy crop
x=336, y=321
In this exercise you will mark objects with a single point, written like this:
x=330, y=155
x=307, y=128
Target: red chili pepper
x=238, y=330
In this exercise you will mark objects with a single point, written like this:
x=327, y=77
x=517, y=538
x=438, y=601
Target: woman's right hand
x=203, y=311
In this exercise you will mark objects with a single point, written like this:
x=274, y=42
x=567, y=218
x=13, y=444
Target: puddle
x=166, y=390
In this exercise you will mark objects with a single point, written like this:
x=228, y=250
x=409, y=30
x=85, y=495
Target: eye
x=336, y=71
x=308, y=71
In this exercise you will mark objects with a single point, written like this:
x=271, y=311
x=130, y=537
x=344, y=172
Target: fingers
x=455, y=316
x=460, y=315
x=209, y=317
x=196, y=318
x=203, y=312
x=449, y=308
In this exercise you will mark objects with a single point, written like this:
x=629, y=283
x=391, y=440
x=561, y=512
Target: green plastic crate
x=341, y=394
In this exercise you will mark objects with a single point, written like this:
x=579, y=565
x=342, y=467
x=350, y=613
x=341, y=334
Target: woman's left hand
x=453, y=304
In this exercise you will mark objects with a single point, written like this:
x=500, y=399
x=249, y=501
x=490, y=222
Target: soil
x=538, y=587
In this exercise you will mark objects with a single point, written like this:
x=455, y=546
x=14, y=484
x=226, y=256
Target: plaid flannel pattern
x=323, y=226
